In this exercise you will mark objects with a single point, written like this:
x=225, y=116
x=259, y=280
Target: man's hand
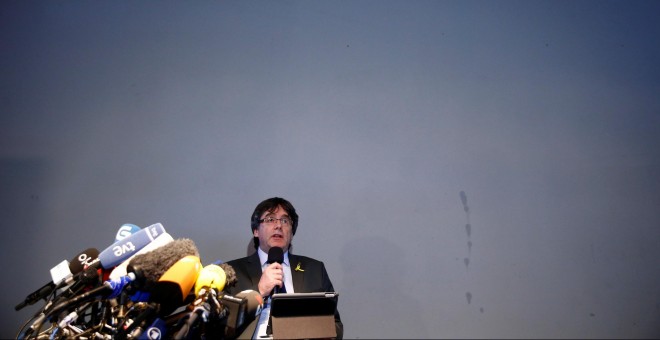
x=271, y=277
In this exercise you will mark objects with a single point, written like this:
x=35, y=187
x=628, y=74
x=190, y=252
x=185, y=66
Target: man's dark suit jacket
x=307, y=274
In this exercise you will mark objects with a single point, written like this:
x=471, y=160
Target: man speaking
x=270, y=270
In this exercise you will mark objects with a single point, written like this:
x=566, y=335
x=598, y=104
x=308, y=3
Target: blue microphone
x=114, y=255
x=126, y=230
x=123, y=249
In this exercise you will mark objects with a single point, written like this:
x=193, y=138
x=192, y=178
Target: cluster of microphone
x=146, y=285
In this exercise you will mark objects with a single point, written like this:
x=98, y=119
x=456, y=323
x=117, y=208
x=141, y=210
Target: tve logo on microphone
x=122, y=249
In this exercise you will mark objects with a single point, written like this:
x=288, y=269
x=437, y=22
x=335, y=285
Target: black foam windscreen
x=275, y=254
x=83, y=259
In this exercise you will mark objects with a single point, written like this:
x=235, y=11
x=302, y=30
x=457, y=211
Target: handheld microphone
x=75, y=266
x=276, y=254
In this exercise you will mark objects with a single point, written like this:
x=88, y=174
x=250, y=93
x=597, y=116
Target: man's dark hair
x=271, y=205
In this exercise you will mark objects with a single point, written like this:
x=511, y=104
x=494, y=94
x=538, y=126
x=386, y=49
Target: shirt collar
x=263, y=257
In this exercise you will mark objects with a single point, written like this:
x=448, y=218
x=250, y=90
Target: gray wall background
x=465, y=169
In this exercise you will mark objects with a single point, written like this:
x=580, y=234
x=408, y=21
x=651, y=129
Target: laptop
x=303, y=315
x=303, y=304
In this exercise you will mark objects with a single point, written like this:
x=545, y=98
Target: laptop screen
x=303, y=304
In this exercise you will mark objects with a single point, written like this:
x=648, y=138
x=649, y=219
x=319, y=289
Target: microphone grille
x=275, y=254
x=155, y=263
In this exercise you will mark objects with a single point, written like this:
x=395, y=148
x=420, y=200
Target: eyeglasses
x=284, y=221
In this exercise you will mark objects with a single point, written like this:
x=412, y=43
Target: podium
x=303, y=315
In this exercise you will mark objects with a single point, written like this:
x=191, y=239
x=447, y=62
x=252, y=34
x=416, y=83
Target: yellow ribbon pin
x=298, y=269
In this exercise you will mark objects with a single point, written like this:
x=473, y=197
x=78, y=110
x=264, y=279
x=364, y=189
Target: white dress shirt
x=262, y=325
